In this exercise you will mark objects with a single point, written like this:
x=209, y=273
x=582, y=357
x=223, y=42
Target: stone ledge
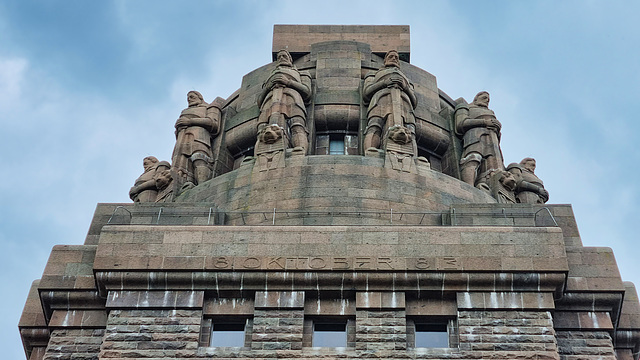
x=382, y=38
x=310, y=281
x=155, y=299
x=506, y=300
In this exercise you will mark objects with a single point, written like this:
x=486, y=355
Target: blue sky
x=88, y=88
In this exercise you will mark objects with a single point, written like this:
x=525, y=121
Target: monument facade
x=337, y=205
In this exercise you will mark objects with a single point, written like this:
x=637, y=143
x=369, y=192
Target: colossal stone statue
x=480, y=131
x=282, y=101
x=529, y=188
x=195, y=127
x=391, y=101
x=144, y=188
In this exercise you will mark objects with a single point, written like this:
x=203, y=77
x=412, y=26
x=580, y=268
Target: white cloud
x=12, y=72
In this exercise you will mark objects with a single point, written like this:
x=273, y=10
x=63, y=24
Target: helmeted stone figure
x=282, y=101
x=529, y=188
x=144, y=188
x=480, y=131
x=391, y=100
x=192, y=156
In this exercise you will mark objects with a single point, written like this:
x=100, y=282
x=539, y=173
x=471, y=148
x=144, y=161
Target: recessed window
x=330, y=334
x=228, y=334
x=427, y=332
x=336, y=144
x=431, y=335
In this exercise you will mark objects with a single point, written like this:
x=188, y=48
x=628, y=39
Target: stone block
x=329, y=307
x=279, y=300
x=380, y=300
x=426, y=307
x=78, y=318
x=183, y=262
x=505, y=300
x=228, y=306
x=581, y=320
x=155, y=299
x=630, y=315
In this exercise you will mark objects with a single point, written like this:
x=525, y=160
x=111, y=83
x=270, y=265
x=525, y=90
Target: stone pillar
x=278, y=320
x=584, y=335
x=381, y=321
x=152, y=324
x=585, y=345
x=74, y=344
x=75, y=333
x=33, y=326
x=507, y=325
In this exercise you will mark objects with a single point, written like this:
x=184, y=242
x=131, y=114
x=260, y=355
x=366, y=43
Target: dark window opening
x=240, y=156
x=435, y=160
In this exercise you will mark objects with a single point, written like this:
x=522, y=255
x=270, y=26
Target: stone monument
x=400, y=234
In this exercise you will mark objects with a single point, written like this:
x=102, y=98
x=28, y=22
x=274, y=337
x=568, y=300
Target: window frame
x=206, y=336
x=449, y=323
x=336, y=136
x=309, y=330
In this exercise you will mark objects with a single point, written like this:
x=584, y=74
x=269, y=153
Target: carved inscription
x=333, y=263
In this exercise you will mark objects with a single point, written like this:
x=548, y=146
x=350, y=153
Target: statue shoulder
x=198, y=111
x=514, y=166
x=476, y=111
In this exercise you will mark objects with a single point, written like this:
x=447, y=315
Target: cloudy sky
x=89, y=88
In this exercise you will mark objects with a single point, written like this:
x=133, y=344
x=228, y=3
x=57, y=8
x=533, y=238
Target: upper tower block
x=297, y=39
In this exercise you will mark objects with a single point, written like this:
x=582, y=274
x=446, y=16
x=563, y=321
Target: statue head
x=163, y=179
x=529, y=164
x=163, y=165
x=149, y=162
x=508, y=180
x=482, y=99
x=194, y=98
x=392, y=58
x=270, y=134
x=399, y=134
x=284, y=58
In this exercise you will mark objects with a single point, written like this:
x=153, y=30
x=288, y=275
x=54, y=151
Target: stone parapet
x=275, y=248
x=297, y=39
x=331, y=184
